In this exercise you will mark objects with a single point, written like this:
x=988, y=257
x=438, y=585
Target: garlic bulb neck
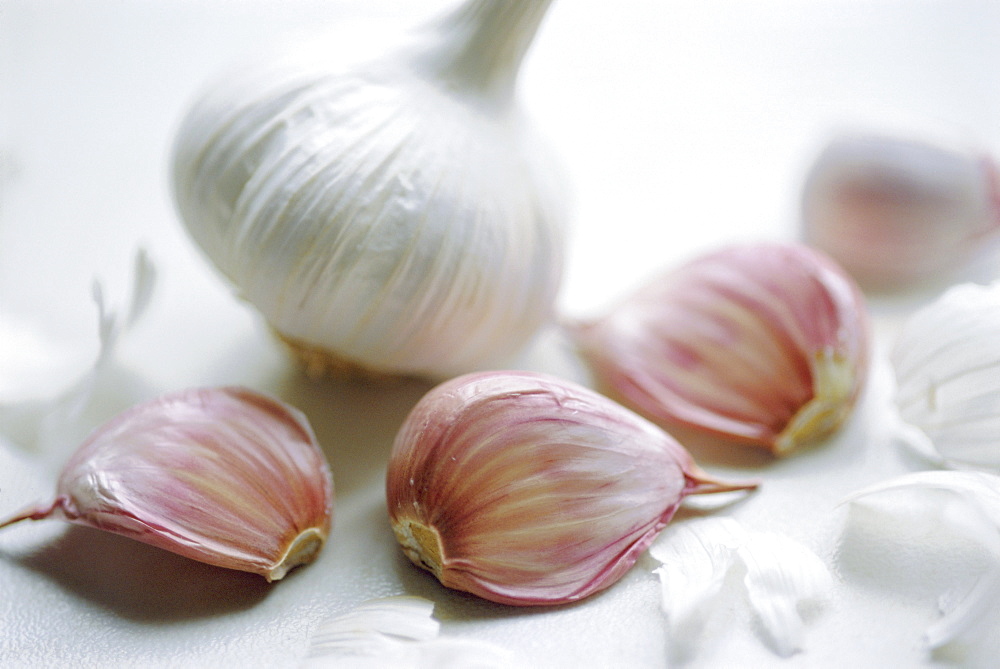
x=478, y=48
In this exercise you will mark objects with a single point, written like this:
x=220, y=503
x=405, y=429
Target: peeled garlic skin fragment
x=225, y=476
x=763, y=343
x=528, y=490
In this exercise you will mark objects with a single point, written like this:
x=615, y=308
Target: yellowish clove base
x=303, y=550
x=421, y=544
x=833, y=383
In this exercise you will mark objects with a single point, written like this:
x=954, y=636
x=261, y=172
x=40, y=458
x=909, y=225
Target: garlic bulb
x=526, y=489
x=763, y=343
x=947, y=365
x=394, y=215
x=894, y=210
x=220, y=475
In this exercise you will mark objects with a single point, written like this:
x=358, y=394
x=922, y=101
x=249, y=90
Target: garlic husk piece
x=942, y=530
x=398, y=632
x=946, y=360
x=762, y=343
x=895, y=209
x=778, y=576
x=224, y=476
x=526, y=489
x=396, y=215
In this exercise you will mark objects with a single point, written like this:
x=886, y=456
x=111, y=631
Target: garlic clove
x=761, y=343
x=224, y=476
x=526, y=489
x=397, y=215
x=894, y=209
x=946, y=360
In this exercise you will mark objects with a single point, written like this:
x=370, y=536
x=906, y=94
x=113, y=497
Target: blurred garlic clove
x=224, y=476
x=946, y=360
x=762, y=343
x=895, y=210
x=525, y=489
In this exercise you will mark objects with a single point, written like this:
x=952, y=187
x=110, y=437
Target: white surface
x=683, y=124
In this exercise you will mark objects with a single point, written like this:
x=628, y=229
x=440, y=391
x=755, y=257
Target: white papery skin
x=761, y=343
x=401, y=633
x=777, y=575
x=224, y=476
x=397, y=214
x=895, y=209
x=526, y=489
x=947, y=365
x=950, y=504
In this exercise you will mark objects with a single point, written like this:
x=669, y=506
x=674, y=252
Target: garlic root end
x=421, y=544
x=303, y=550
x=833, y=385
x=318, y=363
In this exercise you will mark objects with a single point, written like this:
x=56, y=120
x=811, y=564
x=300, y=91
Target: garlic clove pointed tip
x=702, y=483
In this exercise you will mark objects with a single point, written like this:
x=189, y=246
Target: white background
x=682, y=125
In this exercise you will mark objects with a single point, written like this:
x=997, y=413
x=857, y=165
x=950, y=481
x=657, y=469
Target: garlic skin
x=395, y=215
x=526, y=489
x=896, y=210
x=946, y=360
x=224, y=476
x=763, y=343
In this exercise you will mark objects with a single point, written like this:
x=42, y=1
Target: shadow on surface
x=141, y=582
x=354, y=420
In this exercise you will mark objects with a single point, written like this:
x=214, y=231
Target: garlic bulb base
x=820, y=417
x=303, y=550
x=318, y=363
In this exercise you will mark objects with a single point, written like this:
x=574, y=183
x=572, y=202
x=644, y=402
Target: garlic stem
x=481, y=44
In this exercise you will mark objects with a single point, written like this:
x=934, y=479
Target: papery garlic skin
x=946, y=360
x=895, y=210
x=225, y=476
x=396, y=215
x=525, y=489
x=763, y=343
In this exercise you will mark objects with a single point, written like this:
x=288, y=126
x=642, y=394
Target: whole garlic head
x=395, y=214
x=896, y=209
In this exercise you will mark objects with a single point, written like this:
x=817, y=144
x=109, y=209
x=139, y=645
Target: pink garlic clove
x=224, y=476
x=525, y=489
x=760, y=343
x=894, y=210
